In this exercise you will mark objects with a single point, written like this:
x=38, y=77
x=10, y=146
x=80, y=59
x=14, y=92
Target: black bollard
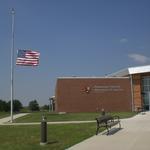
x=43, y=131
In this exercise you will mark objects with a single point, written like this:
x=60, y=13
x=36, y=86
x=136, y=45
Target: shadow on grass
x=53, y=142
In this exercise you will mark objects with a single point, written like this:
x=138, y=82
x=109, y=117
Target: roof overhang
x=130, y=71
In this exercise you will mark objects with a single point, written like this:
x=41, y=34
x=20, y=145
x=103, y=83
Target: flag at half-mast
x=27, y=58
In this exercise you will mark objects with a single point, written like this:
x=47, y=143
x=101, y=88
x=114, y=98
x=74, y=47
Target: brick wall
x=93, y=94
x=137, y=90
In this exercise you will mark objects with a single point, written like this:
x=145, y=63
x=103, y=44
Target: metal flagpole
x=12, y=64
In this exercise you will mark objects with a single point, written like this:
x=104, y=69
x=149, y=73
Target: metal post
x=12, y=64
x=43, y=131
x=49, y=104
x=52, y=108
x=132, y=93
x=149, y=99
x=103, y=112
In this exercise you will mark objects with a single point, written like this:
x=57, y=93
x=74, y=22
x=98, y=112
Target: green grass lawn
x=37, y=116
x=60, y=137
x=4, y=114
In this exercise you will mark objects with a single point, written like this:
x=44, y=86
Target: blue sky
x=75, y=38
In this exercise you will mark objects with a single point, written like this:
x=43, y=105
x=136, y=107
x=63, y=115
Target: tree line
x=17, y=106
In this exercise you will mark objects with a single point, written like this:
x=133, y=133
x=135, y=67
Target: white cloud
x=139, y=58
x=123, y=40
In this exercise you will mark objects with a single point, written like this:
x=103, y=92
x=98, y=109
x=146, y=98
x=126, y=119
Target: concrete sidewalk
x=38, y=123
x=7, y=119
x=134, y=135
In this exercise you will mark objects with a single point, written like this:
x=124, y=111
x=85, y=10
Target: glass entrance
x=146, y=92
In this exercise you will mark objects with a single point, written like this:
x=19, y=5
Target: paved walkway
x=7, y=119
x=134, y=135
x=56, y=122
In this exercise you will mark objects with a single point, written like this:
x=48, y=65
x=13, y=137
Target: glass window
x=146, y=91
x=146, y=83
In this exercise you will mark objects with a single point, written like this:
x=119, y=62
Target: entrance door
x=146, y=92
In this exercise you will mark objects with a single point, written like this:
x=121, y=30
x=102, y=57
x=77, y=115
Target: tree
x=17, y=105
x=3, y=106
x=34, y=106
x=45, y=107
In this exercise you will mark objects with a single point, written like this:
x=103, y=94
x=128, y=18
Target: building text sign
x=107, y=88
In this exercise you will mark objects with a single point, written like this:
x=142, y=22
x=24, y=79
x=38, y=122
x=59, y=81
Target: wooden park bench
x=107, y=121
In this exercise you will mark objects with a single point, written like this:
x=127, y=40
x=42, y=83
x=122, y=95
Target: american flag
x=27, y=58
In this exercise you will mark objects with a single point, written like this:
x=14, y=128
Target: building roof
x=130, y=71
x=106, y=77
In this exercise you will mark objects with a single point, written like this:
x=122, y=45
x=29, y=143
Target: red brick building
x=125, y=90
x=140, y=85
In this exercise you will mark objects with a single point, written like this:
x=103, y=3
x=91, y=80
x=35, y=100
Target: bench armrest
x=116, y=118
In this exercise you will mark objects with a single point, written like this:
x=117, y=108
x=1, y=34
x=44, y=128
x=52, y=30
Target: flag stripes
x=27, y=58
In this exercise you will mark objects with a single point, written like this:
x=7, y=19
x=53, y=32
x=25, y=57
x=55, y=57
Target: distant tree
x=3, y=106
x=34, y=106
x=17, y=105
x=45, y=107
